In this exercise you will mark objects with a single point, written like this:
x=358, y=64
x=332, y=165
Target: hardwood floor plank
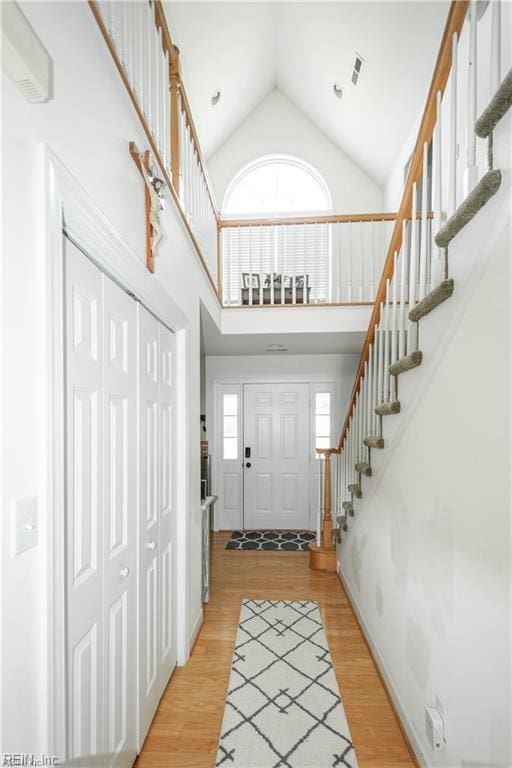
x=185, y=731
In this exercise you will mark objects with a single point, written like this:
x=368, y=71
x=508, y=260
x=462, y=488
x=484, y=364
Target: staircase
x=416, y=278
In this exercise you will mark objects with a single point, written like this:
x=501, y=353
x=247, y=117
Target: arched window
x=280, y=263
x=276, y=185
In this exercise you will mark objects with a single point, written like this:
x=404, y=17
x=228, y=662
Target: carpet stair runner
x=483, y=191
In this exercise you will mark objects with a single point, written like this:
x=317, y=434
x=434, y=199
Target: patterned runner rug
x=289, y=541
x=283, y=707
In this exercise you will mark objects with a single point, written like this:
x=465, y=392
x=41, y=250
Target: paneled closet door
x=149, y=592
x=167, y=400
x=157, y=518
x=120, y=524
x=101, y=371
x=84, y=396
x=101, y=538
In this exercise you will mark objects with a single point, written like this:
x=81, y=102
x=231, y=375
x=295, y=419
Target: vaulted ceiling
x=247, y=49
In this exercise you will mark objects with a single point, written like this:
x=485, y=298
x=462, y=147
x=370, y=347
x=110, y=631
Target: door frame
x=240, y=380
x=69, y=209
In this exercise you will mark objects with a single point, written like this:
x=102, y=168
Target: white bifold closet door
x=157, y=625
x=121, y=516
x=101, y=384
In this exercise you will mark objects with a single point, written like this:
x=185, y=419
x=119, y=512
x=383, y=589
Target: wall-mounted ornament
x=154, y=202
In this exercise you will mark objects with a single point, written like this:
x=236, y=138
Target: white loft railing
x=448, y=164
x=139, y=40
x=300, y=261
x=195, y=192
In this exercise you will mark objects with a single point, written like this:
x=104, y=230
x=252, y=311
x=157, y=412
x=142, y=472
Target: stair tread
x=406, y=363
x=477, y=198
x=373, y=441
x=388, y=409
x=363, y=468
x=496, y=109
x=432, y=300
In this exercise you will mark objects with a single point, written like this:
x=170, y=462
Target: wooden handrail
x=454, y=23
x=149, y=136
x=334, y=218
x=330, y=218
x=195, y=138
x=175, y=71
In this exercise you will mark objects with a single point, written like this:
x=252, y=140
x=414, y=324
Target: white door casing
x=70, y=209
x=276, y=475
x=101, y=532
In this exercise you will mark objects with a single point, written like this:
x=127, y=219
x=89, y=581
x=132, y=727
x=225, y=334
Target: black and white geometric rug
x=283, y=707
x=289, y=541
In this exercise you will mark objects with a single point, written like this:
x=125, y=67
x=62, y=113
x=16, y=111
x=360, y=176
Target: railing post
x=323, y=558
x=175, y=81
x=327, y=518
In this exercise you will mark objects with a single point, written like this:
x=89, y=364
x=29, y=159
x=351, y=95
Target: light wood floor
x=186, y=727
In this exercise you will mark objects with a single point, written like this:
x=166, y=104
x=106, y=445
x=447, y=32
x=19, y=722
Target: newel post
x=323, y=557
x=175, y=83
x=327, y=519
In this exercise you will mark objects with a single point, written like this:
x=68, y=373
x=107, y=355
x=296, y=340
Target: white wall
x=277, y=126
x=427, y=560
x=88, y=126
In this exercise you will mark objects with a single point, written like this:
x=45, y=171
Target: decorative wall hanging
x=154, y=202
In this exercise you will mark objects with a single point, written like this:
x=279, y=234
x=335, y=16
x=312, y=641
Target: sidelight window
x=323, y=420
x=230, y=426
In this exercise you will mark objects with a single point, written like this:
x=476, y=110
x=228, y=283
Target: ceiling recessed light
x=338, y=90
x=216, y=97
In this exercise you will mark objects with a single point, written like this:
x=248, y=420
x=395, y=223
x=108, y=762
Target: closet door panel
x=84, y=393
x=167, y=515
x=149, y=501
x=120, y=529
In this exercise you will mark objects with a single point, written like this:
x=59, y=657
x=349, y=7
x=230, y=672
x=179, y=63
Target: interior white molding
x=69, y=208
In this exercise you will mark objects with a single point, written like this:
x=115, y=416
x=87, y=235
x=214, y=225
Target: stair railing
x=303, y=260
x=453, y=174
x=140, y=43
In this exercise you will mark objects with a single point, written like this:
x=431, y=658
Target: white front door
x=276, y=456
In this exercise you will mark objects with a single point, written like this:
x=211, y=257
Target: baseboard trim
x=400, y=716
x=195, y=632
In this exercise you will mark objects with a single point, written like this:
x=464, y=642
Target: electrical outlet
x=441, y=708
x=25, y=524
x=434, y=729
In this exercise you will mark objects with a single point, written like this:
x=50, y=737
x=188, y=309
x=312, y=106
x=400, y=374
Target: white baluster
x=394, y=312
x=386, y=381
x=349, y=262
x=452, y=175
x=495, y=46
x=375, y=399
x=413, y=255
x=437, y=263
x=361, y=271
x=423, y=241
x=471, y=170
x=403, y=266
x=380, y=369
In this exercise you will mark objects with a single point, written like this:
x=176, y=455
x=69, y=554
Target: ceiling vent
x=276, y=348
x=25, y=60
x=358, y=68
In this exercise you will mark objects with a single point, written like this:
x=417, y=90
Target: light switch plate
x=25, y=524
